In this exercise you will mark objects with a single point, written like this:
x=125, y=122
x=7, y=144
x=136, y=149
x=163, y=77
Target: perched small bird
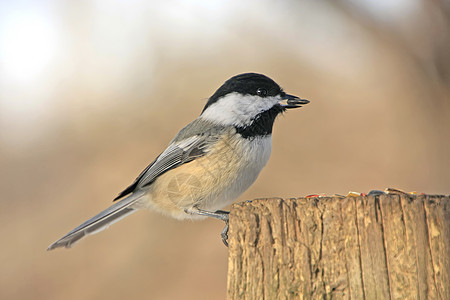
x=209, y=163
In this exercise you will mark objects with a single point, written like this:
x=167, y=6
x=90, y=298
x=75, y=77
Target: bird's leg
x=219, y=214
x=224, y=233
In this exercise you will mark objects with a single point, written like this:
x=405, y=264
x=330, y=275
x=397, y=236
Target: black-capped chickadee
x=209, y=163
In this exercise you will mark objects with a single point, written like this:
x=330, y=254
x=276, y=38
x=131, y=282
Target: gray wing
x=192, y=142
x=178, y=153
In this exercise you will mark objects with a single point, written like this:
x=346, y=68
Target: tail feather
x=99, y=222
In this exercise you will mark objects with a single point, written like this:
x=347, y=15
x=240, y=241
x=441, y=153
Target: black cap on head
x=246, y=84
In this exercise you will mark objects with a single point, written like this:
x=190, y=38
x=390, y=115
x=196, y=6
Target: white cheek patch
x=237, y=109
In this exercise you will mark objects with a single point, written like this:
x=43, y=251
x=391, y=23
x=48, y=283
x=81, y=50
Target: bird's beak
x=290, y=101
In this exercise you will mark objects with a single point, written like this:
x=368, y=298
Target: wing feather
x=178, y=153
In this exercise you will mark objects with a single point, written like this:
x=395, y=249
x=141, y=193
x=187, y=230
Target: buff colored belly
x=212, y=181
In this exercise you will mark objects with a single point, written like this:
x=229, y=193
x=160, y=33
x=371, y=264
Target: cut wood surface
x=373, y=247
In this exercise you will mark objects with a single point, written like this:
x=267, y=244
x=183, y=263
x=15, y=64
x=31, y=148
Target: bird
x=209, y=163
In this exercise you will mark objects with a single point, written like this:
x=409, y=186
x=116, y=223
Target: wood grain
x=376, y=247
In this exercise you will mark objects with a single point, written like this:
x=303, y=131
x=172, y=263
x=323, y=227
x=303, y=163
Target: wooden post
x=375, y=247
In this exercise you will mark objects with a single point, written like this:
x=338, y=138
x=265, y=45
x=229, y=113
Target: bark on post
x=377, y=247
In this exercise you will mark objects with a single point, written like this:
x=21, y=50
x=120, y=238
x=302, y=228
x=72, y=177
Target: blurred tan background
x=92, y=91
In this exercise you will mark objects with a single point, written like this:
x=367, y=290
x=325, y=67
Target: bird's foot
x=218, y=214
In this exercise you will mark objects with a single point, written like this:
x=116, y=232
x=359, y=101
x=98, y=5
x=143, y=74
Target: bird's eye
x=261, y=92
